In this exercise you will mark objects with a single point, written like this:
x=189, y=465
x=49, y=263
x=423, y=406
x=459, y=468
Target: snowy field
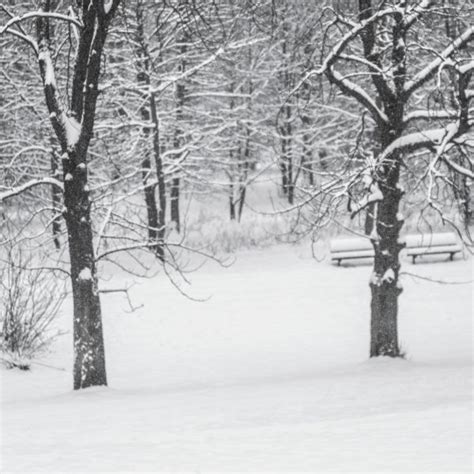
x=269, y=374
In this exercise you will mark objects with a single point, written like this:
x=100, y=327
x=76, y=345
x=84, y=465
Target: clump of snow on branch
x=72, y=128
x=85, y=274
x=49, y=78
x=388, y=276
x=107, y=6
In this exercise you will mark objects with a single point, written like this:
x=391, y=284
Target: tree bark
x=89, y=352
x=231, y=202
x=174, y=203
x=384, y=285
x=55, y=198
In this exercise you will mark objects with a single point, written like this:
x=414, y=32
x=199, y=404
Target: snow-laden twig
x=433, y=280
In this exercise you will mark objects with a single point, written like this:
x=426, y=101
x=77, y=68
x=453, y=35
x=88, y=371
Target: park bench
x=347, y=248
x=418, y=245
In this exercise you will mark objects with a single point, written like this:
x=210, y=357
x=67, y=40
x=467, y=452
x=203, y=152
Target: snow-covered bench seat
x=345, y=248
x=432, y=244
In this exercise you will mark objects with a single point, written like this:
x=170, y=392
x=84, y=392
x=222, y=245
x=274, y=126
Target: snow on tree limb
x=28, y=39
x=39, y=14
x=428, y=72
x=355, y=91
x=15, y=191
x=433, y=139
x=357, y=28
x=335, y=52
x=416, y=12
x=466, y=68
x=430, y=115
x=459, y=168
x=49, y=77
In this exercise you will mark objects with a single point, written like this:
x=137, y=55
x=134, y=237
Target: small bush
x=30, y=299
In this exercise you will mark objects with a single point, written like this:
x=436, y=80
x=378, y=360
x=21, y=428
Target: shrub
x=30, y=299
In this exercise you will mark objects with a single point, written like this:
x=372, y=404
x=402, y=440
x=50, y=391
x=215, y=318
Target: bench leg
x=413, y=259
x=451, y=256
x=339, y=263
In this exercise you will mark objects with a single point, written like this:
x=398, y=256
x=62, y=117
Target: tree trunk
x=55, y=198
x=384, y=284
x=242, y=195
x=151, y=208
x=155, y=216
x=174, y=203
x=287, y=157
x=284, y=175
x=89, y=353
x=160, y=179
x=231, y=202
x=179, y=132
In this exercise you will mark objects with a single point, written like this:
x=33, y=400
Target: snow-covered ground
x=268, y=374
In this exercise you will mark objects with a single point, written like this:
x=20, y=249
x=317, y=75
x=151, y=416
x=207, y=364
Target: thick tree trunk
x=384, y=284
x=89, y=354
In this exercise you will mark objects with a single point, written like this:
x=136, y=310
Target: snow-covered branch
x=431, y=139
x=430, y=115
x=352, y=89
x=430, y=70
x=15, y=191
x=39, y=14
x=416, y=12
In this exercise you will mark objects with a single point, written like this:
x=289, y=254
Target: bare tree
x=73, y=124
x=391, y=58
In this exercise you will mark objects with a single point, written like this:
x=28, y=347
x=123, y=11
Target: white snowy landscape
x=270, y=374
x=236, y=236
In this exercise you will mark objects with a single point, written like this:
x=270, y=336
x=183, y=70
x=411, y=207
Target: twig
x=442, y=282
x=123, y=290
